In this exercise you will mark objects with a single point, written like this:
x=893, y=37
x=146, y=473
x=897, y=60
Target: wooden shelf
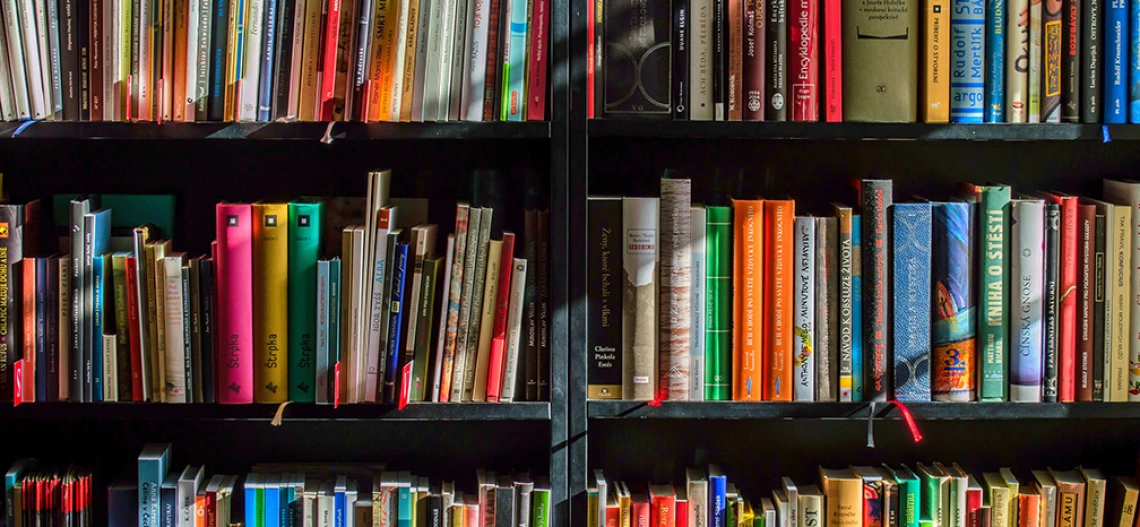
x=862, y=131
x=530, y=411
x=849, y=411
x=278, y=131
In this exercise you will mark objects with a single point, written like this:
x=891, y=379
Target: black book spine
x=69, y=58
x=543, y=365
x=1091, y=44
x=1052, y=299
x=83, y=37
x=876, y=199
x=890, y=506
x=1071, y=62
x=1098, y=309
x=435, y=511
x=360, y=69
x=530, y=358
x=51, y=326
x=206, y=321
x=76, y=349
x=720, y=59
x=283, y=63
x=42, y=357
x=776, y=33
x=11, y=333
x=680, y=49
x=216, y=92
x=604, y=298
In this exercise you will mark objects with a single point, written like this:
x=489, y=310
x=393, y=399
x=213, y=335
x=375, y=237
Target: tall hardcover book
x=754, y=81
x=778, y=299
x=776, y=61
x=1067, y=329
x=698, y=302
x=1071, y=61
x=1051, y=50
x=603, y=300
x=1052, y=301
x=96, y=242
x=912, y=253
x=700, y=60
x=803, y=63
x=803, y=345
x=936, y=63
x=304, y=245
x=832, y=61
x=1127, y=192
x=270, y=293
x=676, y=289
x=967, y=62
x=1118, y=259
x=953, y=355
x=718, y=310
x=1090, y=60
x=844, y=302
x=880, y=58
x=154, y=461
x=1116, y=64
x=1016, y=69
x=639, y=30
x=876, y=198
x=234, y=266
x=748, y=294
x=639, y=297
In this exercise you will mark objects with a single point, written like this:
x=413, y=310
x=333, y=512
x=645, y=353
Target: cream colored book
x=161, y=248
x=175, y=354
x=110, y=369
x=514, y=331
x=487, y=321
x=639, y=298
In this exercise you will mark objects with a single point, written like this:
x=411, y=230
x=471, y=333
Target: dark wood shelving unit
x=307, y=131
x=466, y=412
x=730, y=411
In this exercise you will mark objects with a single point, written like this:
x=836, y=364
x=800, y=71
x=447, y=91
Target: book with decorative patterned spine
x=803, y=347
x=826, y=309
x=953, y=368
x=748, y=292
x=676, y=285
x=779, y=224
x=876, y=199
x=1052, y=301
x=718, y=308
x=640, y=296
x=912, y=285
x=1051, y=46
x=1036, y=60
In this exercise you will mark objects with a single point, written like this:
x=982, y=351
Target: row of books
x=933, y=495
x=987, y=295
x=934, y=61
x=274, y=60
x=48, y=495
x=287, y=306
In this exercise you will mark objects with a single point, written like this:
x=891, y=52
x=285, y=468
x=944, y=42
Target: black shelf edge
x=527, y=411
x=856, y=411
x=862, y=131
x=276, y=131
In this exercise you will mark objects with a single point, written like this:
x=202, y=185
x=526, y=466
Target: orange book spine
x=748, y=295
x=779, y=216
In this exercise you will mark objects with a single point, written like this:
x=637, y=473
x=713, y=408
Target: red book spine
x=1086, y=284
x=536, y=69
x=133, y=319
x=613, y=516
x=833, y=60
x=590, y=35
x=499, y=336
x=328, y=62
x=974, y=507
x=754, y=54
x=640, y=513
x=211, y=509
x=682, y=516
x=1067, y=371
x=663, y=515
x=803, y=58
x=494, y=74
x=29, y=310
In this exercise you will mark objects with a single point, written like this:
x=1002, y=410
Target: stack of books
x=46, y=495
x=293, y=302
x=987, y=295
x=274, y=60
x=933, y=495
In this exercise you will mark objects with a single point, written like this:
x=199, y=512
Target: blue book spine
x=1116, y=62
x=395, y=321
x=404, y=507
x=334, y=315
x=272, y=505
x=912, y=301
x=968, y=61
x=288, y=504
x=42, y=355
x=152, y=472
x=515, y=71
x=339, y=509
x=995, y=61
x=216, y=108
x=169, y=501
x=1134, y=61
x=251, y=501
x=718, y=489
x=265, y=81
x=121, y=503
x=239, y=44
x=856, y=309
x=97, y=344
x=953, y=374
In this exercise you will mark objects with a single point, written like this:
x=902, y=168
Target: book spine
x=718, y=290
x=475, y=70
x=753, y=82
x=499, y=338
x=135, y=338
x=219, y=21
x=1091, y=36
x=719, y=55
x=1036, y=50
x=98, y=63
x=1051, y=62
x=98, y=365
x=1070, y=62
x=202, y=58
x=748, y=293
x=856, y=308
x=412, y=101
x=45, y=361
x=66, y=55
x=11, y=254
x=326, y=70
x=804, y=330
x=593, y=29
x=804, y=39
x=826, y=309
x=700, y=61
x=395, y=318
x=335, y=298
x=15, y=48
x=735, y=44
x=530, y=252
x=845, y=305
x=674, y=367
x=176, y=386
x=876, y=201
x=252, y=39
x=698, y=303
x=680, y=54
x=1101, y=326
x=936, y=65
x=475, y=323
x=640, y=297
x=779, y=255
x=953, y=355
x=164, y=56
x=176, y=84
x=362, y=45
x=1116, y=65
x=152, y=470
x=833, y=60
x=270, y=28
x=208, y=329
x=968, y=72
x=463, y=11
x=913, y=255
x=514, y=331
x=321, y=368
x=417, y=387
x=26, y=12
x=537, y=61
x=996, y=100
x=235, y=300
x=270, y=293
x=1067, y=335
x=487, y=320
x=1086, y=282
x=305, y=224
x=1052, y=300
x=994, y=293
x=542, y=283
x=28, y=307
x=776, y=63
x=514, y=72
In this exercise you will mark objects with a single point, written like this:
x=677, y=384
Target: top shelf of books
x=521, y=411
x=314, y=131
x=851, y=131
x=861, y=410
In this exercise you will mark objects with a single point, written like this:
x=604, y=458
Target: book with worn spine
x=826, y=309
x=640, y=260
x=876, y=199
x=912, y=253
x=676, y=289
x=803, y=347
x=718, y=306
x=603, y=299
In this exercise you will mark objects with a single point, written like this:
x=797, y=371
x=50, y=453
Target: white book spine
x=1121, y=258
x=297, y=64
x=37, y=14
x=804, y=329
x=459, y=31
x=514, y=330
x=111, y=35
x=322, y=369
x=52, y=76
x=251, y=57
x=475, y=63
x=443, y=65
x=376, y=313
x=431, y=68
x=699, y=219
x=140, y=84
x=194, y=45
x=425, y=12
x=700, y=61
x=441, y=342
x=26, y=13
x=1028, y=271
x=1128, y=193
x=1035, y=53
x=15, y=46
x=1016, y=75
x=398, y=66
x=641, y=257
x=355, y=357
x=175, y=359
x=110, y=369
x=166, y=105
x=7, y=102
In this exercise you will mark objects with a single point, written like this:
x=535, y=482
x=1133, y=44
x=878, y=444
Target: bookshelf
x=352, y=131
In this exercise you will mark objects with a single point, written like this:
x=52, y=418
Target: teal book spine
x=97, y=329
x=993, y=295
x=153, y=463
x=514, y=68
x=910, y=500
x=334, y=324
x=404, y=505
x=305, y=224
x=718, y=327
x=857, y=309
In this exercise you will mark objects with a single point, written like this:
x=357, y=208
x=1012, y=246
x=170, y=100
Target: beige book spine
x=406, y=87
x=487, y=322
x=676, y=289
x=310, y=55
x=639, y=298
x=159, y=296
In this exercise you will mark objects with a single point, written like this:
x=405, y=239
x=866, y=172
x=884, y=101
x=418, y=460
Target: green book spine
x=541, y=508
x=994, y=293
x=911, y=499
x=259, y=506
x=334, y=319
x=424, y=327
x=304, y=249
x=718, y=328
x=932, y=505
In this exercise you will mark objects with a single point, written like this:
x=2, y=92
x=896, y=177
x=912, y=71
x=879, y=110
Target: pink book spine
x=536, y=90
x=499, y=336
x=833, y=60
x=234, y=263
x=803, y=59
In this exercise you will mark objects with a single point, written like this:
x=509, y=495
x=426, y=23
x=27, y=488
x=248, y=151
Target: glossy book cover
x=953, y=354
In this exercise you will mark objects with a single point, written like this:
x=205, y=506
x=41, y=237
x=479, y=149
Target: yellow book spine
x=1067, y=510
x=270, y=301
x=125, y=60
x=592, y=509
x=936, y=93
x=310, y=57
x=380, y=71
x=487, y=322
x=232, y=72
x=408, y=84
x=181, y=29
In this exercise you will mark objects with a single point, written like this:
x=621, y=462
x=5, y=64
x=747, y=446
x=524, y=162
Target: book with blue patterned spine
x=996, y=66
x=953, y=368
x=912, y=255
x=1027, y=238
x=967, y=72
